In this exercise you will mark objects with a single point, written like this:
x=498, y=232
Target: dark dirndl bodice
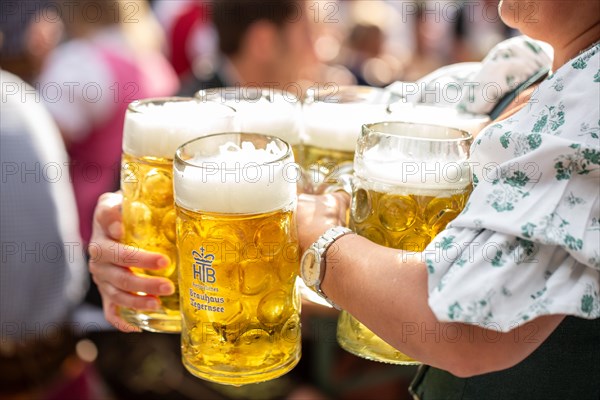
x=565, y=366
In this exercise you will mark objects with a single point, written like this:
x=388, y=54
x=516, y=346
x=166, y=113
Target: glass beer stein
x=332, y=116
x=265, y=110
x=153, y=130
x=410, y=180
x=235, y=195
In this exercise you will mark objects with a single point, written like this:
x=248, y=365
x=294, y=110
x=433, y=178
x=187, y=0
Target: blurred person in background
x=190, y=34
x=112, y=57
x=263, y=44
x=29, y=31
x=430, y=31
x=365, y=42
x=42, y=269
x=477, y=29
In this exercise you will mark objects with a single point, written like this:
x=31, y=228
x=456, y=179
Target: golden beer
x=153, y=130
x=410, y=181
x=149, y=223
x=404, y=218
x=332, y=117
x=324, y=165
x=238, y=260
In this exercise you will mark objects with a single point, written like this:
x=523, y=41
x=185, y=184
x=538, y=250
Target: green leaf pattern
x=509, y=190
x=473, y=311
x=593, y=131
x=579, y=64
x=552, y=229
x=590, y=301
x=582, y=162
x=573, y=201
x=550, y=119
x=558, y=84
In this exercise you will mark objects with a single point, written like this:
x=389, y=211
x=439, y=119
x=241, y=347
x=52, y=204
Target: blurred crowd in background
x=85, y=60
x=372, y=42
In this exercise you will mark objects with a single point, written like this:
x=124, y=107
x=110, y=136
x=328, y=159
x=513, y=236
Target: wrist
x=313, y=265
x=334, y=278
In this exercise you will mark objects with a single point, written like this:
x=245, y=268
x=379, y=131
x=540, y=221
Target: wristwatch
x=312, y=264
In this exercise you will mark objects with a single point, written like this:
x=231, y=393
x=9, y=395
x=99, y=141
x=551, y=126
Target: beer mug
x=153, y=130
x=410, y=180
x=266, y=110
x=332, y=116
x=238, y=257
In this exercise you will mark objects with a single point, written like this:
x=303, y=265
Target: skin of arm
x=386, y=289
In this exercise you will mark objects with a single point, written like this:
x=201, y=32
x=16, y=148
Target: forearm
x=386, y=290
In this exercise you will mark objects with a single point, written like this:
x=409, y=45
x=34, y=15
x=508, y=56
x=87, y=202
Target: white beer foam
x=159, y=129
x=241, y=180
x=439, y=116
x=424, y=178
x=279, y=118
x=415, y=172
x=337, y=126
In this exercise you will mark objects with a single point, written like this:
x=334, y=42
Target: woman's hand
x=110, y=262
x=316, y=214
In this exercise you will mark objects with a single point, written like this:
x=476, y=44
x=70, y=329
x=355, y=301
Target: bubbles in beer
x=141, y=214
x=397, y=213
x=149, y=221
x=254, y=276
x=254, y=330
x=226, y=233
x=168, y=225
x=130, y=182
x=402, y=217
x=373, y=233
x=157, y=188
x=230, y=323
x=291, y=329
x=274, y=308
x=439, y=213
x=410, y=181
x=267, y=238
x=402, y=220
x=253, y=347
x=416, y=240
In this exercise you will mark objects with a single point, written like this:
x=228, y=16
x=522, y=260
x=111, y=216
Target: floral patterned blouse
x=528, y=241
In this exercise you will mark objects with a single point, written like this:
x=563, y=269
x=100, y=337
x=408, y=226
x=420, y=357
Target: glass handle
x=343, y=182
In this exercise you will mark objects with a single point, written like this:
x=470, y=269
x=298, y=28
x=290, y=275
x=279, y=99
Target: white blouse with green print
x=528, y=241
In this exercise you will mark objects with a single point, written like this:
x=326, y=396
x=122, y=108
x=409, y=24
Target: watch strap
x=322, y=245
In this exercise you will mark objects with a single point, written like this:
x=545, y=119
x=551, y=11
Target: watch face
x=310, y=268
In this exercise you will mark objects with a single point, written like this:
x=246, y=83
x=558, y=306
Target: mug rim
x=370, y=129
x=288, y=148
x=135, y=105
x=202, y=95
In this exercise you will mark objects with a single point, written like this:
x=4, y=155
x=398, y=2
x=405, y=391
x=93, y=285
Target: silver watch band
x=322, y=245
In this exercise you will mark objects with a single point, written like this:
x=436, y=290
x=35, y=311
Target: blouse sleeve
x=528, y=241
x=500, y=280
